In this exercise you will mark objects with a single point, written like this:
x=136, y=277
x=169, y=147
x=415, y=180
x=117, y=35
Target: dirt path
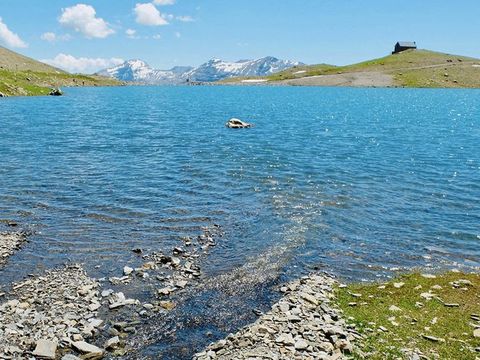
x=356, y=79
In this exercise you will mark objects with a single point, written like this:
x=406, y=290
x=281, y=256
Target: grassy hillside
x=23, y=76
x=411, y=68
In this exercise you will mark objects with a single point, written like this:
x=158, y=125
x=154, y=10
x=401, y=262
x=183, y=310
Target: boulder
x=3, y=95
x=237, y=124
x=56, y=92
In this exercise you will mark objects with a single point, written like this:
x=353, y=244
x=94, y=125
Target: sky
x=87, y=35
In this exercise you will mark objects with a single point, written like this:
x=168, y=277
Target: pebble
x=127, y=270
x=398, y=285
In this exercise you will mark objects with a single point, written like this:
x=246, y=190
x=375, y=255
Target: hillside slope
x=411, y=68
x=23, y=76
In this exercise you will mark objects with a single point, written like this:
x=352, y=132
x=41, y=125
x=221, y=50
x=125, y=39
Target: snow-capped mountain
x=217, y=69
x=140, y=71
x=213, y=70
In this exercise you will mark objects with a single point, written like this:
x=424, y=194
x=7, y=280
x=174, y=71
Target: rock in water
x=56, y=92
x=237, y=124
x=45, y=349
x=127, y=270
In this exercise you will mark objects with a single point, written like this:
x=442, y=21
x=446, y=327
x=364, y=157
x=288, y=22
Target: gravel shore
x=47, y=315
x=304, y=324
x=9, y=242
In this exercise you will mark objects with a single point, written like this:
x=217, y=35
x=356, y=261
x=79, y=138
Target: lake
x=357, y=182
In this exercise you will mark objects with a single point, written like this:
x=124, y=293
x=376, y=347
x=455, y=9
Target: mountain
x=217, y=69
x=24, y=76
x=140, y=71
x=213, y=70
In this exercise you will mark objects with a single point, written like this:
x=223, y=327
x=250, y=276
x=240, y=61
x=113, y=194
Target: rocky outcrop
x=304, y=324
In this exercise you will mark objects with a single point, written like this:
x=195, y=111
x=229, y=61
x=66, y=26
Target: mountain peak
x=213, y=70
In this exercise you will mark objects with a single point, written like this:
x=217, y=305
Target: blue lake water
x=354, y=181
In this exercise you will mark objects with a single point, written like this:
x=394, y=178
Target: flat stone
x=112, y=342
x=398, y=285
x=452, y=305
x=94, y=306
x=432, y=338
x=476, y=333
x=181, y=284
x=70, y=357
x=310, y=298
x=301, y=344
x=45, y=349
x=164, y=291
x=90, y=351
x=394, y=308
x=218, y=345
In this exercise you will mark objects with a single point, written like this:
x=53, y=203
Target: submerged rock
x=237, y=124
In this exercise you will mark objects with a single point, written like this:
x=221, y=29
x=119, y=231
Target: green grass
x=405, y=329
x=34, y=83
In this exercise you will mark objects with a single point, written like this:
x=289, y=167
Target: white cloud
x=82, y=18
x=185, y=18
x=164, y=2
x=157, y=37
x=131, y=33
x=10, y=38
x=49, y=36
x=52, y=37
x=178, y=35
x=148, y=14
x=82, y=64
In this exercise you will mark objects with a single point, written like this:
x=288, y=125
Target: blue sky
x=85, y=35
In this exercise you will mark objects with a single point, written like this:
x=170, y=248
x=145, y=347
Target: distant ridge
x=213, y=70
x=10, y=60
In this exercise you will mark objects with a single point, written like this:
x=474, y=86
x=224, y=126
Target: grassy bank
x=32, y=83
x=431, y=316
x=411, y=68
x=24, y=76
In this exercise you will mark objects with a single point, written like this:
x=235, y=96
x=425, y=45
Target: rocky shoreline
x=65, y=314
x=304, y=324
x=9, y=243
